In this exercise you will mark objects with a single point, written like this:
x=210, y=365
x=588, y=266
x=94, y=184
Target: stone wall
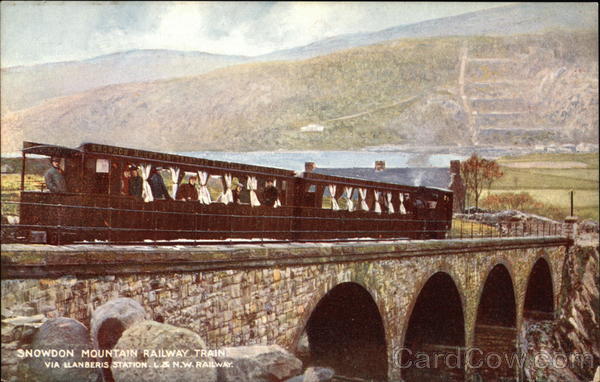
x=269, y=300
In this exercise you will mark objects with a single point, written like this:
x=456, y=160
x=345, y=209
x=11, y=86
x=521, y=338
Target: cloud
x=37, y=32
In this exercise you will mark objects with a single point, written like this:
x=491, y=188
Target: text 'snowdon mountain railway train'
x=97, y=206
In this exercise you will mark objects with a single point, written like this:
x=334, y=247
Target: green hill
x=403, y=91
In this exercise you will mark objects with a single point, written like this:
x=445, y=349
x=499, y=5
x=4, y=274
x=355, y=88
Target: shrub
x=522, y=202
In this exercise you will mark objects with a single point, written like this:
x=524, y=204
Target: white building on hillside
x=313, y=127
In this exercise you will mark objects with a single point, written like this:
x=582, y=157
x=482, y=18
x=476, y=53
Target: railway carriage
x=311, y=206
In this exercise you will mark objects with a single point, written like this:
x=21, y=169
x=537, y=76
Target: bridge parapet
x=40, y=261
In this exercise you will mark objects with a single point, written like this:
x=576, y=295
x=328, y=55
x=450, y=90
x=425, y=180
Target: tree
x=479, y=174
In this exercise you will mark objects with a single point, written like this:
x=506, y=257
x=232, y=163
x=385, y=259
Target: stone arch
x=441, y=267
x=435, y=324
x=346, y=331
x=539, y=302
x=495, y=330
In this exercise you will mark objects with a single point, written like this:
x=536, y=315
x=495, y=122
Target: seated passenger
x=54, y=177
x=237, y=191
x=188, y=191
x=125, y=181
x=136, y=183
x=157, y=185
x=270, y=194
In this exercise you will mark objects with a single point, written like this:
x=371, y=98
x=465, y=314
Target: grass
x=461, y=228
x=11, y=184
x=542, y=178
x=552, y=186
x=591, y=159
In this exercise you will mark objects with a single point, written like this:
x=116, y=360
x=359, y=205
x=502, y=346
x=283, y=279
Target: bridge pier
x=267, y=293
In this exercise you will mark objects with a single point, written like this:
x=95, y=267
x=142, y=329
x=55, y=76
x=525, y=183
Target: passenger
x=409, y=205
x=270, y=194
x=188, y=191
x=136, y=183
x=54, y=177
x=125, y=181
x=237, y=192
x=157, y=185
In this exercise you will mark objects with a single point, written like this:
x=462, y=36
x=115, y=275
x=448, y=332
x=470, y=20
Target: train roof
x=158, y=158
x=354, y=182
x=430, y=177
x=153, y=157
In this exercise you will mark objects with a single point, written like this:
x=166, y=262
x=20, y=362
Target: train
x=96, y=208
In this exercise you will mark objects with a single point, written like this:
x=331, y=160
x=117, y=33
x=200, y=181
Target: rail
x=285, y=226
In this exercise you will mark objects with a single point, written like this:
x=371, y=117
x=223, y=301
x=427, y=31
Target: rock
x=158, y=337
x=588, y=226
x=314, y=374
x=259, y=363
x=17, y=333
x=597, y=375
x=34, y=321
x=303, y=347
x=113, y=318
x=578, y=321
x=60, y=335
x=575, y=331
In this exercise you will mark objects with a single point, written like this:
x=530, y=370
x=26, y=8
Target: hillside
x=404, y=91
x=26, y=86
x=524, y=18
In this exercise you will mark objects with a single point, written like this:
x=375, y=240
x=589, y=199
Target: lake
x=294, y=160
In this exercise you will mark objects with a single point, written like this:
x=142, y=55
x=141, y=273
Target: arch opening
x=435, y=336
x=539, y=296
x=108, y=336
x=495, y=328
x=345, y=331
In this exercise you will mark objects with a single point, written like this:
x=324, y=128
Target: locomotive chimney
x=379, y=165
x=309, y=166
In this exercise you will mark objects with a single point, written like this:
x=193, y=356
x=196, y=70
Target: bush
x=522, y=202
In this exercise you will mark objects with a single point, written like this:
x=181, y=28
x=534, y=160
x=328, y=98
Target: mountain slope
x=516, y=19
x=405, y=91
x=26, y=86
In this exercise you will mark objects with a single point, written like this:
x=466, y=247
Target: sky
x=41, y=32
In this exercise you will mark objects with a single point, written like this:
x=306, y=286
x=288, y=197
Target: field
x=548, y=181
x=10, y=190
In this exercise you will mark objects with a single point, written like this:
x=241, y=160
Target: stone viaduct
x=353, y=305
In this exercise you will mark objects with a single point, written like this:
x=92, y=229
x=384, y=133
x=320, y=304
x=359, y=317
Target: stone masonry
x=264, y=294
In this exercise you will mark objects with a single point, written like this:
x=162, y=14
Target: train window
x=310, y=196
x=362, y=199
x=355, y=199
x=327, y=201
x=241, y=195
x=432, y=203
x=98, y=181
x=282, y=186
x=215, y=187
x=405, y=202
x=102, y=166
